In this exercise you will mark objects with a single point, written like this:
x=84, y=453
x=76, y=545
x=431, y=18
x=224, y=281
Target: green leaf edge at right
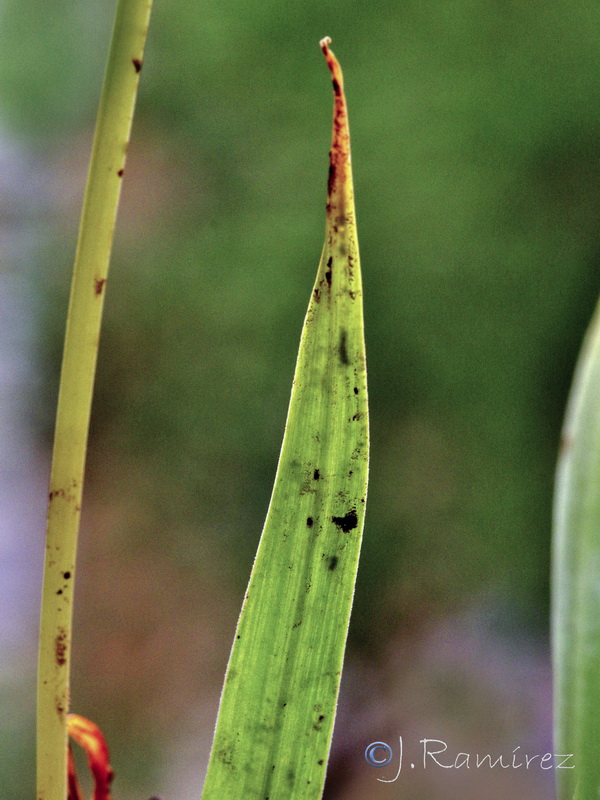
x=278, y=704
x=576, y=581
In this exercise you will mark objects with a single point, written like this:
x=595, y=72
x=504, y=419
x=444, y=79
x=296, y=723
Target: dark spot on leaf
x=137, y=64
x=347, y=522
x=309, y=522
x=331, y=178
x=316, y=475
x=333, y=562
x=60, y=647
x=120, y=173
x=336, y=87
x=317, y=296
x=343, y=348
x=99, y=285
x=231, y=675
x=66, y=575
x=320, y=762
x=60, y=591
x=328, y=273
x=225, y=756
x=357, y=415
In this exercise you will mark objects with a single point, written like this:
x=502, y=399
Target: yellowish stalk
x=76, y=385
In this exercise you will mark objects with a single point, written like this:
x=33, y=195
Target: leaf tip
x=333, y=64
x=90, y=738
x=324, y=44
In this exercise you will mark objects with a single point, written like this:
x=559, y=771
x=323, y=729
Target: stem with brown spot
x=90, y=271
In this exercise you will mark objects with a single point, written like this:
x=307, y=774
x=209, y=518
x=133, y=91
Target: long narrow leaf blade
x=576, y=581
x=278, y=704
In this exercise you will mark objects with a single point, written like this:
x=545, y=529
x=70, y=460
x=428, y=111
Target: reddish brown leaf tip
x=74, y=790
x=334, y=66
x=340, y=142
x=90, y=738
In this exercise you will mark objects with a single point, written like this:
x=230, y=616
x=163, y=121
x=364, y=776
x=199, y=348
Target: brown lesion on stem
x=60, y=647
x=339, y=155
x=67, y=494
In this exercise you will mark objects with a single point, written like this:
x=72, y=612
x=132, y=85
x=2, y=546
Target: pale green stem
x=76, y=385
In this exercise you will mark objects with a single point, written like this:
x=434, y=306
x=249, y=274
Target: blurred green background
x=475, y=131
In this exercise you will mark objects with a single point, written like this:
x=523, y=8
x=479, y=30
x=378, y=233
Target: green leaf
x=279, y=699
x=576, y=580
